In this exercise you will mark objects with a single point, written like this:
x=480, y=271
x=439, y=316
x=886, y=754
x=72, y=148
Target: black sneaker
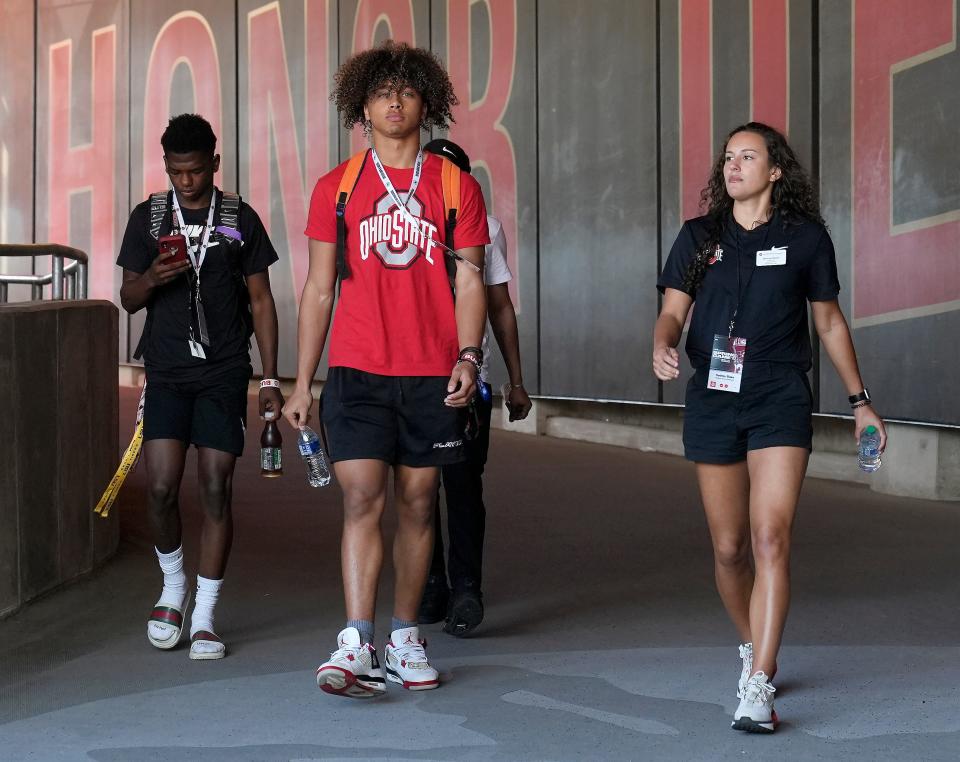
x=436, y=597
x=466, y=612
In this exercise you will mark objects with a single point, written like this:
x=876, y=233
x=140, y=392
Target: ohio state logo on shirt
x=394, y=237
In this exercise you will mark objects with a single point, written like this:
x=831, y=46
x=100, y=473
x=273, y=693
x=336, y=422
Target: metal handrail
x=74, y=274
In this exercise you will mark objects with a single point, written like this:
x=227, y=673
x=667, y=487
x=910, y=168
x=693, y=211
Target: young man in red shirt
x=404, y=355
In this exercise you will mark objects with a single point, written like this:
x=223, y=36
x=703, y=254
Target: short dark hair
x=395, y=64
x=187, y=133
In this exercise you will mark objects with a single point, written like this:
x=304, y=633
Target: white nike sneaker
x=755, y=713
x=746, y=654
x=406, y=661
x=353, y=670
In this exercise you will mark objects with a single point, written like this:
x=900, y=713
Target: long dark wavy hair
x=794, y=196
x=395, y=64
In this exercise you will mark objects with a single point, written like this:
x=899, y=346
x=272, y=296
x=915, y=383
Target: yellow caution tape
x=130, y=458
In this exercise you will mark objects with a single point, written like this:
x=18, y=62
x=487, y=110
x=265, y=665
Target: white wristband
x=270, y=382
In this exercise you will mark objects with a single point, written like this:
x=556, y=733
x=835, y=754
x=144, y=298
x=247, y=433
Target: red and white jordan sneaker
x=353, y=670
x=406, y=661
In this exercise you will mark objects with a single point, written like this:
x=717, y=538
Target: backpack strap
x=230, y=210
x=159, y=205
x=347, y=183
x=228, y=216
x=450, y=178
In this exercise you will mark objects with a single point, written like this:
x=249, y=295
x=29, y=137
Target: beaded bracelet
x=473, y=361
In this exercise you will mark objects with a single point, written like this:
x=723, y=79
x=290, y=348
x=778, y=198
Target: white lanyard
x=402, y=203
x=392, y=192
x=197, y=253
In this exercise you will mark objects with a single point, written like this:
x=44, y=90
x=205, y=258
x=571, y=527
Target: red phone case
x=175, y=245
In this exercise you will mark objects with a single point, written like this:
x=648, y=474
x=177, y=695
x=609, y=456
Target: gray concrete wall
x=921, y=461
x=58, y=448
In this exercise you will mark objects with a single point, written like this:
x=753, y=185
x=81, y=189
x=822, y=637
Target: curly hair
x=187, y=133
x=395, y=64
x=794, y=196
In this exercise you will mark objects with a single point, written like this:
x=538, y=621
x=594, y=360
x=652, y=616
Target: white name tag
x=775, y=256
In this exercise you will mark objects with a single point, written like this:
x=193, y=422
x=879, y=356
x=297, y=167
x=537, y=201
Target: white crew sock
x=208, y=590
x=174, y=590
x=174, y=580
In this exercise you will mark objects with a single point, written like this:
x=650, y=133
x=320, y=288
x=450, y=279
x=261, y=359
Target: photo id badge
x=726, y=363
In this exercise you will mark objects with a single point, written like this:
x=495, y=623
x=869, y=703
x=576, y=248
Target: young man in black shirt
x=195, y=345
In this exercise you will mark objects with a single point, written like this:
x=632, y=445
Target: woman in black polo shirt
x=752, y=263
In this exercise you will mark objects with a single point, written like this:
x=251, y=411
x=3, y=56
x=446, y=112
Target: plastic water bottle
x=318, y=474
x=484, y=391
x=869, y=456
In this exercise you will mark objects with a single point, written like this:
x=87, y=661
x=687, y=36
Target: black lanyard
x=741, y=291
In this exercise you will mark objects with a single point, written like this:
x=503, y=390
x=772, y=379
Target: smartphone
x=175, y=245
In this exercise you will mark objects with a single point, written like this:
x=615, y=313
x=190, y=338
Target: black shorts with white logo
x=773, y=409
x=397, y=419
x=211, y=412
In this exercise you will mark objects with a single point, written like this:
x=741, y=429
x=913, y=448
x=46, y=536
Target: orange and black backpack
x=450, y=180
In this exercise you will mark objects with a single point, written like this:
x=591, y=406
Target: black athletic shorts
x=211, y=412
x=397, y=419
x=772, y=409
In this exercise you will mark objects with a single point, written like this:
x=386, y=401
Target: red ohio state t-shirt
x=395, y=314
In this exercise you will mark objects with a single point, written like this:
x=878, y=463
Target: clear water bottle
x=869, y=455
x=318, y=474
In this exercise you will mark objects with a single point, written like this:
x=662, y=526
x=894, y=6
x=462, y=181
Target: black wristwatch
x=856, y=399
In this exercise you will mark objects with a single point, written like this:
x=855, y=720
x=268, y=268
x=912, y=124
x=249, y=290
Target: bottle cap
x=870, y=430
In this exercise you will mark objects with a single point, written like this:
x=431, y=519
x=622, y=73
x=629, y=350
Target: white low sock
x=174, y=580
x=208, y=590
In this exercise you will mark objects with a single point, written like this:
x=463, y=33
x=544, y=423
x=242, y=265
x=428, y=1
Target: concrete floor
x=604, y=637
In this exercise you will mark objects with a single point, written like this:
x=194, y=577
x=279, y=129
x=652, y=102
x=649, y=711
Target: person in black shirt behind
x=195, y=345
x=751, y=264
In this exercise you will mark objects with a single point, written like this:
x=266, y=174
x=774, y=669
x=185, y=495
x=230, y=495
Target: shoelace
x=746, y=651
x=411, y=653
x=759, y=690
